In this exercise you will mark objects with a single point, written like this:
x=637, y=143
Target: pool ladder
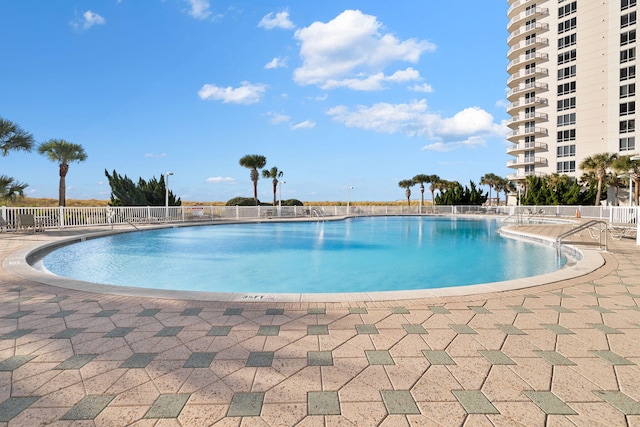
x=318, y=214
x=590, y=226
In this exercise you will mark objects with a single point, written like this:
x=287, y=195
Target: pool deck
x=562, y=354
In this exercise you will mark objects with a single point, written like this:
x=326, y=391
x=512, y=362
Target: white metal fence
x=61, y=217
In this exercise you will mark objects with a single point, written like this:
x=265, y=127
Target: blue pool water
x=355, y=255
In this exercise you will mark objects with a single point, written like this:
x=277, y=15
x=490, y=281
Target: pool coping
x=20, y=263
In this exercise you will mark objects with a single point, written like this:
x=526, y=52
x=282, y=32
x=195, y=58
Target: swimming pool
x=355, y=255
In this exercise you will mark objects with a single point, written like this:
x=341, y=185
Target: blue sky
x=333, y=93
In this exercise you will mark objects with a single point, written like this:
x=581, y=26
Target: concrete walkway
x=560, y=354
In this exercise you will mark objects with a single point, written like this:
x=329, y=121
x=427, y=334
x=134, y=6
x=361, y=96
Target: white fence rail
x=61, y=217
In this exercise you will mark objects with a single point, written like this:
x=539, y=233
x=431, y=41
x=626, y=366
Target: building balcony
x=526, y=146
x=518, y=6
x=526, y=161
x=517, y=91
x=522, y=32
x=527, y=73
x=536, y=12
x=531, y=131
x=518, y=120
x=523, y=60
x=523, y=175
x=529, y=43
x=514, y=107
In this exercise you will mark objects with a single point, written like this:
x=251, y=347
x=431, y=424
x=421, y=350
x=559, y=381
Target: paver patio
x=565, y=353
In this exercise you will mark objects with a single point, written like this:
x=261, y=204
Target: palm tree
x=407, y=184
x=500, y=186
x=254, y=162
x=599, y=163
x=490, y=180
x=421, y=179
x=62, y=152
x=624, y=164
x=274, y=174
x=12, y=138
x=435, y=181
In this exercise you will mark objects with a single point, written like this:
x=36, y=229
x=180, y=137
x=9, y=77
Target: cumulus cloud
x=199, y=9
x=247, y=93
x=276, y=20
x=220, y=179
x=277, y=118
x=152, y=155
x=351, y=48
x=276, y=63
x=469, y=127
x=307, y=124
x=425, y=88
x=87, y=20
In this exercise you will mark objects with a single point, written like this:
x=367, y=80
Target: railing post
x=4, y=212
x=61, y=222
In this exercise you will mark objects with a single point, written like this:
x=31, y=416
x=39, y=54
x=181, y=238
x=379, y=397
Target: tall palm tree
x=435, y=181
x=274, y=174
x=63, y=153
x=624, y=164
x=598, y=163
x=407, y=184
x=500, y=186
x=421, y=179
x=254, y=162
x=489, y=180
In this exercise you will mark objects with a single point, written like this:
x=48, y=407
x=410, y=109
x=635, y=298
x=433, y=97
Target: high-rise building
x=572, y=83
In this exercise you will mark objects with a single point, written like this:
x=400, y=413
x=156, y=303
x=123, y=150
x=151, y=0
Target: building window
x=566, y=104
x=565, y=167
x=627, y=90
x=628, y=55
x=567, y=135
x=570, y=40
x=566, y=88
x=628, y=144
x=627, y=108
x=568, y=119
x=530, y=141
x=628, y=19
x=566, y=72
x=568, y=25
x=628, y=73
x=625, y=38
x=567, y=9
x=567, y=151
x=627, y=126
x=565, y=57
x=626, y=4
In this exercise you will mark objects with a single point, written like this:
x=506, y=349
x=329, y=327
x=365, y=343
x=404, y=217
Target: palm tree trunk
x=599, y=193
x=62, y=188
x=275, y=188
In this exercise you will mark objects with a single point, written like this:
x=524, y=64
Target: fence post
x=61, y=222
x=4, y=212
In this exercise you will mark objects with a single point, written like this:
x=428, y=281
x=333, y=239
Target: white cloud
x=247, y=93
x=200, y=9
x=469, y=127
x=276, y=63
x=349, y=51
x=277, y=20
x=502, y=103
x=220, y=179
x=277, y=118
x=425, y=88
x=307, y=124
x=152, y=155
x=88, y=20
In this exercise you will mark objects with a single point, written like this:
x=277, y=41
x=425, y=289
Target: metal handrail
x=586, y=226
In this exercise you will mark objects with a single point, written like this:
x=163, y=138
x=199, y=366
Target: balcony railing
x=528, y=72
x=529, y=28
x=524, y=146
x=518, y=4
x=523, y=60
x=537, y=101
x=538, y=161
x=537, y=41
x=527, y=14
x=527, y=87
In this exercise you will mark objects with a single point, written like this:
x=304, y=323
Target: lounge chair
x=28, y=221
